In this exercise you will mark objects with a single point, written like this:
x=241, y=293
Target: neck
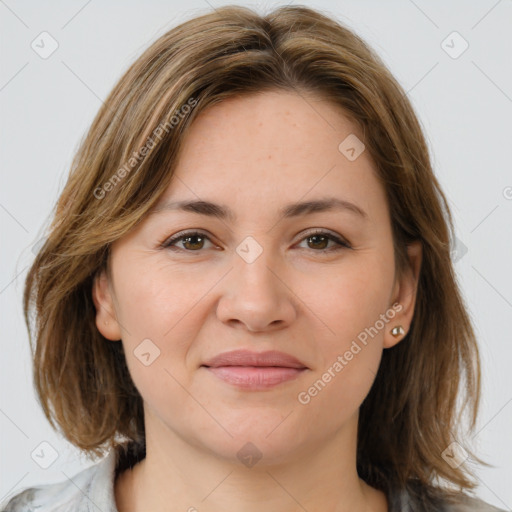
x=176, y=475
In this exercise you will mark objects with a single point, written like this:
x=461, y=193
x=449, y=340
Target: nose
x=256, y=296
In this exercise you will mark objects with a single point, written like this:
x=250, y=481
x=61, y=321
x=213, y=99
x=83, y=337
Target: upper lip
x=250, y=358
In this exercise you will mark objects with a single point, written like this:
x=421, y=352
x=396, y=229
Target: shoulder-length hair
x=424, y=384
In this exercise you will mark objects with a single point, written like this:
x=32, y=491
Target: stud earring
x=397, y=331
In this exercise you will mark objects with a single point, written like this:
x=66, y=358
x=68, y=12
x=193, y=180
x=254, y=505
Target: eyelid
x=324, y=231
x=184, y=233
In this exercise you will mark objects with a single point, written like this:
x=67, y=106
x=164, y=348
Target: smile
x=255, y=371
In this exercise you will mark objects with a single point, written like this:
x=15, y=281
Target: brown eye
x=318, y=241
x=191, y=241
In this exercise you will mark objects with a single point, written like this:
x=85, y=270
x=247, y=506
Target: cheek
x=349, y=359
x=355, y=311
x=162, y=309
x=336, y=394
x=154, y=299
x=352, y=299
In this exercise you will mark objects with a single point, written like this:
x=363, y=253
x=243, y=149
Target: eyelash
x=342, y=244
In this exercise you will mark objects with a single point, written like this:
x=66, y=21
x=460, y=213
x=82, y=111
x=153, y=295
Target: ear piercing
x=397, y=331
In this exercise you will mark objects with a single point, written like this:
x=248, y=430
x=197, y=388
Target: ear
x=106, y=320
x=404, y=295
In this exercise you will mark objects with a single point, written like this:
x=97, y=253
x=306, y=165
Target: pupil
x=316, y=237
x=188, y=238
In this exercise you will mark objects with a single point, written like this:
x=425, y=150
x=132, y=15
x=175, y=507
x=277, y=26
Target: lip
x=250, y=358
x=255, y=370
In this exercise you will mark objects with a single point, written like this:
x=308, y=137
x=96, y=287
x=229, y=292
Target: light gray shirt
x=92, y=490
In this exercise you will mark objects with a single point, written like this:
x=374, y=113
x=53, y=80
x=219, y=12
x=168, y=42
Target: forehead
x=262, y=150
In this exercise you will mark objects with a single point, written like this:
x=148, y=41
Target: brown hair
x=127, y=161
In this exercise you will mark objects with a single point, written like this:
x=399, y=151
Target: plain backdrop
x=460, y=85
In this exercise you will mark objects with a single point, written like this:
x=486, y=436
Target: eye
x=193, y=241
x=319, y=240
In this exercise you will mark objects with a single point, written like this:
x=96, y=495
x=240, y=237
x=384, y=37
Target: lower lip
x=255, y=377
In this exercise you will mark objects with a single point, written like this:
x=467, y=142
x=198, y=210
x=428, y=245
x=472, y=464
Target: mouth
x=255, y=371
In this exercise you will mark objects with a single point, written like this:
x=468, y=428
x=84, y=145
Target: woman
x=246, y=298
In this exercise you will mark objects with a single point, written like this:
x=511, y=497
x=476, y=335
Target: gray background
x=464, y=104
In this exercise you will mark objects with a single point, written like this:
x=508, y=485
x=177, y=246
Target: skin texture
x=257, y=154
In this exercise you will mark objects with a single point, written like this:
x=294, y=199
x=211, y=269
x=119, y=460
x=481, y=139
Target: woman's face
x=259, y=280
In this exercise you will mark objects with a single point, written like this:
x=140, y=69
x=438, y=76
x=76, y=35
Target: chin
x=250, y=451
x=269, y=441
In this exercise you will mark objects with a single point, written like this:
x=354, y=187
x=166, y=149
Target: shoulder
x=418, y=498
x=92, y=485
x=467, y=503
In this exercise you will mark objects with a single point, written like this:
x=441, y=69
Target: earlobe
x=404, y=297
x=106, y=320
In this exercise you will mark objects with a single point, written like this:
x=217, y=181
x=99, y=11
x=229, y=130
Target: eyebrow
x=291, y=210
